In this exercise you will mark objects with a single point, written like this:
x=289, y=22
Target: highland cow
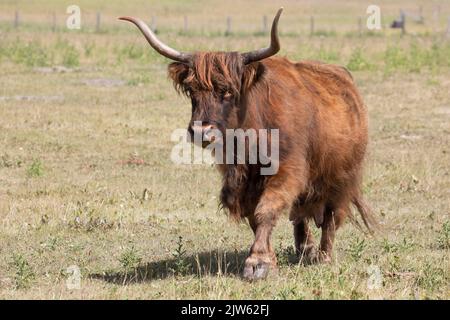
x=322, y=124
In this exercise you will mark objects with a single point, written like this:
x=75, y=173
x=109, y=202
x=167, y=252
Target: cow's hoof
x=308, y=255
x=324, y=257
x=314, y=256
x=257, y=272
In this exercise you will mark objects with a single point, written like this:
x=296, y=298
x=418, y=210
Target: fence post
x=403, y=20
x=153, y=24
x=16, y=19
x=448, y=27
x=97, y=25
x=436, y=16
x=54, y=22
x=360, y=26
x=186, y=24
x=421, y=18
x=228, y=31
x=264, y=28
x=311, y=25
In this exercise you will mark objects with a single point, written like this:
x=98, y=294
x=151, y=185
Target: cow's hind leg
x=304, y=242
x=333, y=219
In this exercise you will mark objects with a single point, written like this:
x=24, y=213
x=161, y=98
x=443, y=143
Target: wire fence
x=312, y=25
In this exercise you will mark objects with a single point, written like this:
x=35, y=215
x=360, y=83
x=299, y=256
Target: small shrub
x=430, y=277
x=130, y=259
x=181, y=265
x=327, y=55
x=24, y=273
x=416, y=58
x=444, y=236
x=131, y=52
x=36, y=169
x=395, y=58
x=357, y=61
x=31, y=54
x=356, y=248
x=70, y=57
x=394, y=264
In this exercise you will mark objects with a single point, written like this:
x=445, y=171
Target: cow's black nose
x=202, y=130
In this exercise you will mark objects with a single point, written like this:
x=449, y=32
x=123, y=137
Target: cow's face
x=213, y=83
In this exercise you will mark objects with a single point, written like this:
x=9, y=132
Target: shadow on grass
x=208, y=263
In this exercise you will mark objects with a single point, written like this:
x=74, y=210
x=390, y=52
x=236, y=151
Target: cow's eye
x=227, y=95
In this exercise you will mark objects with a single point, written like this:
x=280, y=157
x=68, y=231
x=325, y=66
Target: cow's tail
x=366, y=214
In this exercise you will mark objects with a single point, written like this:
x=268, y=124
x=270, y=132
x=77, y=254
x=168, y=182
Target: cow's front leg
x=273, y=201
x=262, y=257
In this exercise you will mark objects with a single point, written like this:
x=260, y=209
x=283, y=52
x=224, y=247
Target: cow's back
x=328, y=118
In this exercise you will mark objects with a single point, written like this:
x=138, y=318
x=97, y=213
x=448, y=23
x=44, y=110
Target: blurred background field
x=209, y=17
x=35, y=33
x=85, y=172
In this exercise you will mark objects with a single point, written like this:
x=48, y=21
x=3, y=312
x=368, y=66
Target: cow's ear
x=178, y=72
x=253, y=73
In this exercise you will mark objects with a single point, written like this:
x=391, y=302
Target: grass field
x=86, y=178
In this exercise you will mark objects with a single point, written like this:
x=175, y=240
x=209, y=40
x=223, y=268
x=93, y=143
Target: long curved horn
x=274, y=47
x=159, y=46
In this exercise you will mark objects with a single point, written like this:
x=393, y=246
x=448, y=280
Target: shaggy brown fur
x=323, y=137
